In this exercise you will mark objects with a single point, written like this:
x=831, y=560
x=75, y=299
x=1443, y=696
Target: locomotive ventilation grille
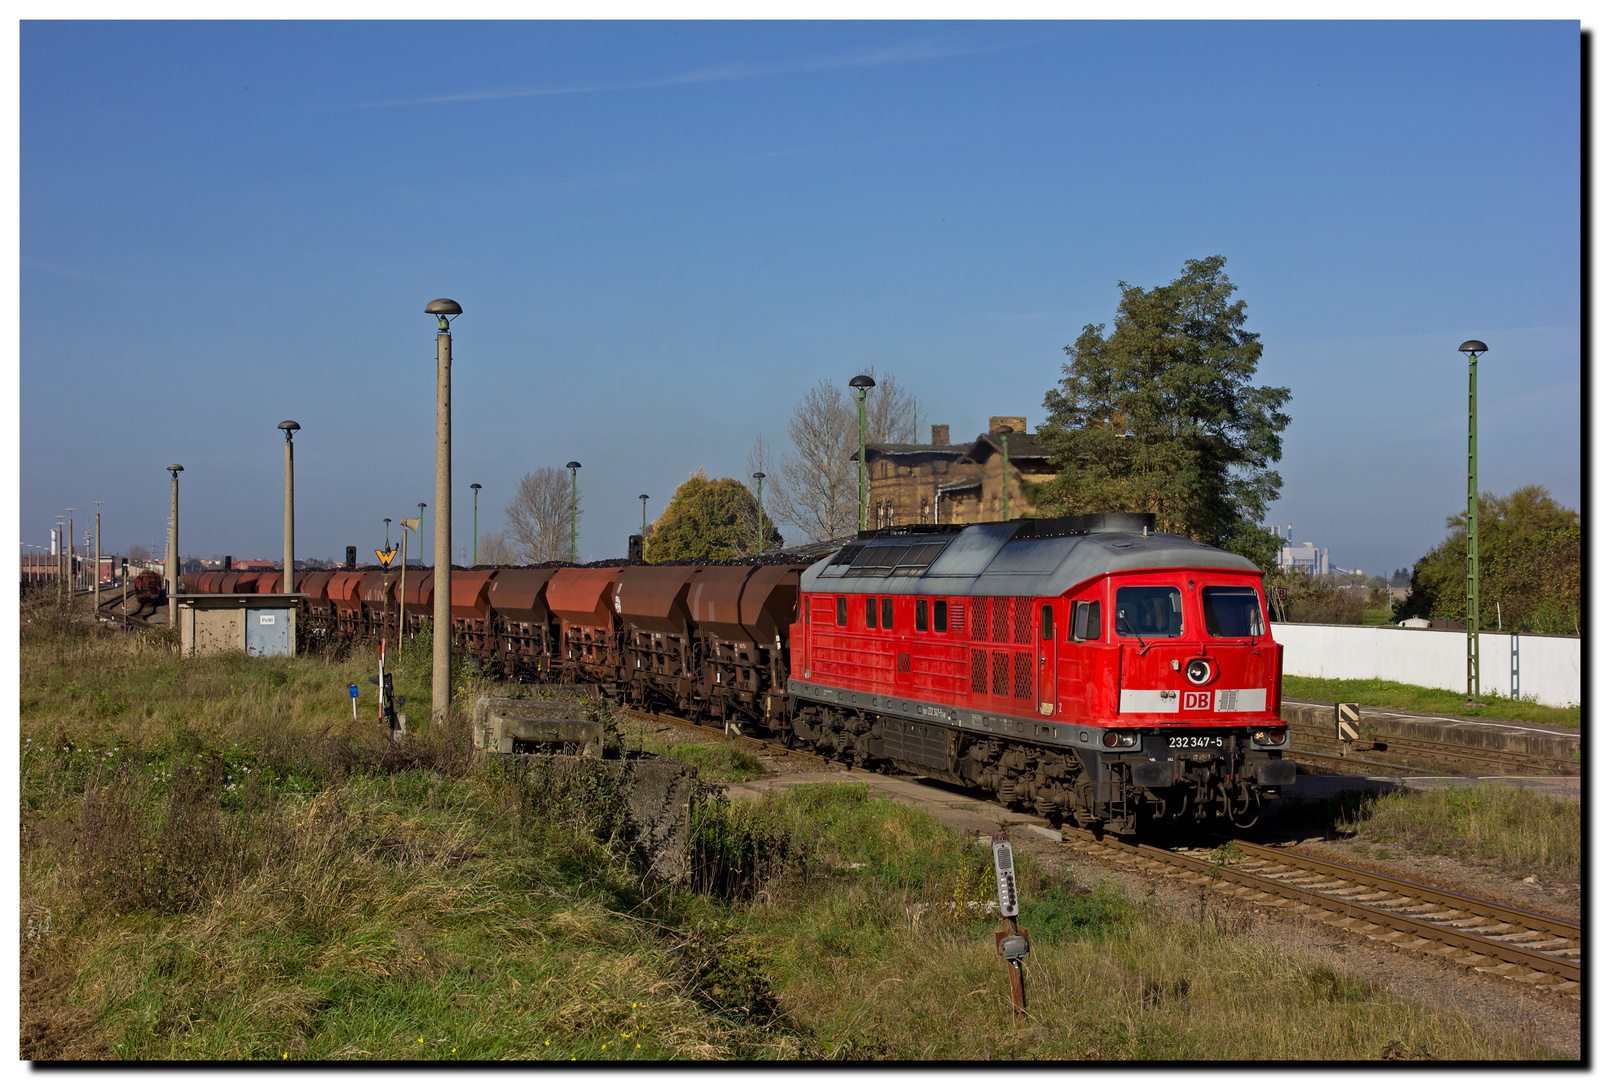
x=1002, y=620
x=1002, y=673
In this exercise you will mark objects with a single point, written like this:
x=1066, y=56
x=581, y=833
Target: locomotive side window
x=1085, y=621
x=922, y=614
x=839, y=612
x=941, y=616
x=1231, y=611
x=888, y=613
x=872, y=613
x=1147, y=611
x=1047, y=623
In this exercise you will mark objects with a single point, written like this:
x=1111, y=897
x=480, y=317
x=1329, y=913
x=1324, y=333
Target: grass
x=1396, y=695
x=1518, y=830
x=880, y=954
x=218, y=863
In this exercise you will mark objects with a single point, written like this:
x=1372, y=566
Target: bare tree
x=758, y=460
x=137, y=553
x=496, y=549
x=539, y=516
x=817, y=488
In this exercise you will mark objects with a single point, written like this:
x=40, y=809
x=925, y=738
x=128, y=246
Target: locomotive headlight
x=1198, y=671
x=1275, y=737
x=1120, y=740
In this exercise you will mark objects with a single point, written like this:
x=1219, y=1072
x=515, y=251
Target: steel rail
x=1475, y=946
x=1530, y=920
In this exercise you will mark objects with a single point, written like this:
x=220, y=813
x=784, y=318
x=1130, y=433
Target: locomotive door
x=1045, y=658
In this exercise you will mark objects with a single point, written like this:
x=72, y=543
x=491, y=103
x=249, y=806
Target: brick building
x=954, y=483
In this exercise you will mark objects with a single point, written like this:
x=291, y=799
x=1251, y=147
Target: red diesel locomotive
x=1081, y=667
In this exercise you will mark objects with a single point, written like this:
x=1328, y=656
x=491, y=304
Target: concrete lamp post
x=574, y=466
x=288, y=427
x=172, y=552
x=1004, y=431
x=97, y=504
x=758, y=477
x=445, y=310
x=422, y=508
x=475, y=489
x=644, y=523
x=1473, y=349
x=861, y=384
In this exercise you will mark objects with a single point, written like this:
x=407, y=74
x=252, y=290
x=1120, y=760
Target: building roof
x=1018, y=447
x=903, y=450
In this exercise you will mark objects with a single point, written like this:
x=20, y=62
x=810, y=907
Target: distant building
x=1313, y=560
x=955, y=483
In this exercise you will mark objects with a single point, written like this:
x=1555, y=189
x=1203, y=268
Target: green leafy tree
x=1530, y=564
x=708, y=519
x=1161, y=417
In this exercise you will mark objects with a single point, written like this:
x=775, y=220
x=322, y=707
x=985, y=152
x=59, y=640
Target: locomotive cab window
x=888, y=613
x=872, y=613
x=1231, y=611
x=1149, y=611
x=1047, y=623
x=922, y=614
x=941, y=616
x=1085, y=621
x=839, y=612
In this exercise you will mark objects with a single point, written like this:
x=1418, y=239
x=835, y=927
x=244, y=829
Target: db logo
x=1197, y=700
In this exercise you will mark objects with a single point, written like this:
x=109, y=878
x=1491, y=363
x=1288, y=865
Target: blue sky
x=663, y=233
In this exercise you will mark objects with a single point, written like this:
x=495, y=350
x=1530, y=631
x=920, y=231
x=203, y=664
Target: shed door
x=266, y=632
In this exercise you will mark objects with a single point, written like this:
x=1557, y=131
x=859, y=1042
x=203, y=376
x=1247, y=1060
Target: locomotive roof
x=1035, y=557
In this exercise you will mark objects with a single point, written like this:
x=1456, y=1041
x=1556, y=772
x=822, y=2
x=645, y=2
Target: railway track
x=1319, y=745
x=1538, y=950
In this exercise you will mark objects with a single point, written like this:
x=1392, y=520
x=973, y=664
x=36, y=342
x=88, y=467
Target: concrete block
x=509, y=725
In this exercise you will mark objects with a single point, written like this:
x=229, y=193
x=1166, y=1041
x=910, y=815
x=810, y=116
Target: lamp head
x=386, y=521
x=444, y=308
x=1473, y=347
x=1003, y=429
x=174, y=470
x=863, y=382
x=758, y=476
x=477, y=487
x=288, y=427
x=422, y=506
x=574, y=465
x=644, y=496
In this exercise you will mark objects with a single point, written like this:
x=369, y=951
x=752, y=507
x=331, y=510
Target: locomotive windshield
x=1149, y=611
x=1231, y=611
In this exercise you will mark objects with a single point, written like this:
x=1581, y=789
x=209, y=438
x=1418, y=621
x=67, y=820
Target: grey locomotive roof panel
x=989, y=559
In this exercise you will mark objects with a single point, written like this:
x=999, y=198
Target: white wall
x=1550, y=668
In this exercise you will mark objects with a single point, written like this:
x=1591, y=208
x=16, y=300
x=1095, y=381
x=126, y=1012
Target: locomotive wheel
x=786, y=738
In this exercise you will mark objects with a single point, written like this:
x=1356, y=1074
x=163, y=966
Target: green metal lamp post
x=475, y=488
x=644, y=522
x=760, y=476
x=574, y=466
x=386, y=534
x=422, y=544
x=861, y=384
x=1472, y=349
x=1004, y=431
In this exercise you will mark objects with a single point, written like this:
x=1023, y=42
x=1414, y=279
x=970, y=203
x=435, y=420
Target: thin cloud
x=899, y=54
